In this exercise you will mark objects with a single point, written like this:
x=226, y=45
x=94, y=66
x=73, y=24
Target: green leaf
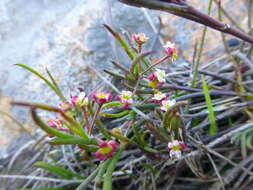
x=48, y=129
x=108, y=176
x=73, y=122
x=213, y=128
x=122, y=42
x=102, y=170
x=74, y=140
x=56, y=85
x=87, y=181
x=130, y=52
x=58, y=170
x=78, y=128
x=115, y=115
x=136, y=63
x=51, y=85
x=153, y=170
x=111, y=104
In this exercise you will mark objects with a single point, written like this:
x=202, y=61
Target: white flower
x=167, y=104
x=169, y=44
x=82, y=99
x=175, y=148
x=125, y=97
x=159, y=96
x=160, y=74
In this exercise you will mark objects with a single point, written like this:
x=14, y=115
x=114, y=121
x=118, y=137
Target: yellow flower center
x=105, y=150
x=101, y=95
x=126, y=96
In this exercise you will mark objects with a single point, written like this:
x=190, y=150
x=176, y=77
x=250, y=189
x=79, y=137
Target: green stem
x=95, y=118
x=86, y=182
x=201, y=48
x=104, y=166
x=108, y=177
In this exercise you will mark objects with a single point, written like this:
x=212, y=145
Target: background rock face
x=68, y=38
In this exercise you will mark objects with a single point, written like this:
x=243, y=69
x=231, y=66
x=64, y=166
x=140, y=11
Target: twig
x=189, y=12
x=40, y=178
x=216, y=170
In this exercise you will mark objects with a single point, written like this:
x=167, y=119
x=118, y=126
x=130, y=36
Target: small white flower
x=160, y=74
x=167, y=104
x=126, y=95
x=169, y=44
x=159, y=96
x=82, y=99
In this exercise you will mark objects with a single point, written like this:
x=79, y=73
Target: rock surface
x=68, y=38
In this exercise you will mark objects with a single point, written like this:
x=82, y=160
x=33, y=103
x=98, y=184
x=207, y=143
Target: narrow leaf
x=57, y=170
x=51, y=85
x=209, y=107
x=122, y=42
x=74, y=140
x=108, y=177
x=47, y=128
x=56, y=85
x=87, y=181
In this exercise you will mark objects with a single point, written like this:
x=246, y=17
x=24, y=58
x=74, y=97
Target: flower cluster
x=171, y=50
x=157, y=78
x=140, y=38
x=161, y=98
x=125, y=97
x=80, y=100
x=175, y=149
x=106, y=149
